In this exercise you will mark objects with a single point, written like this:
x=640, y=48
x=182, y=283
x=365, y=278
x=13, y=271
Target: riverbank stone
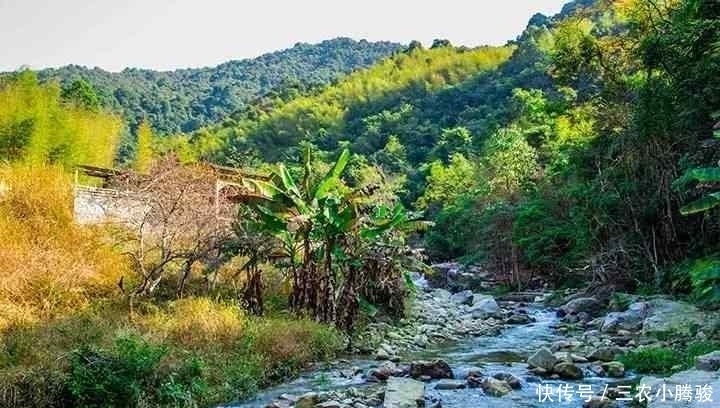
x=542, y=358
x=436, y=369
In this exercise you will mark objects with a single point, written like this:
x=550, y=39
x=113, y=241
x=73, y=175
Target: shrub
x=120, y=377
x=652, y=360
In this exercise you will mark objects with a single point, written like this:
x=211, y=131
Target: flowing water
x=503, y=353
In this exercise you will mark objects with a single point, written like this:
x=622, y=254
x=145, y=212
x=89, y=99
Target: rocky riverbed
x=467, y=349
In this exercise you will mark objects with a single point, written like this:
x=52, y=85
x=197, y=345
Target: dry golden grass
x=49, y=264
x=196, y=322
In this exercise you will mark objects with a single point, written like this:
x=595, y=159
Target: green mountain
x=554, y=155
x=187, y=99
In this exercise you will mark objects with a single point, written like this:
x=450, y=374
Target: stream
x=503, y=353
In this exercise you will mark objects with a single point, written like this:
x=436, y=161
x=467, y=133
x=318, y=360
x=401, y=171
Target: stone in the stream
x=450, y=385
x=329, y=404
x=629, y=320
x=542, y=358
x=599, y=402
x=614, y=369
x=385, y=371
x=708, y=362
x=290, y=397
x=605, y=354
x=597, y=369
x=307, y=400
x=589, y=305
x=495, y=387
x=463, y=298
x=483, y=306
x=436, y=369
x=518, y=319
x=510, y=379
x=568, y=371
x=404, y=393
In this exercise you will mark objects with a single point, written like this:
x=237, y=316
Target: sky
x=170, y=34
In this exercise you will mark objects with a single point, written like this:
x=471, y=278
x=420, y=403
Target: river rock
x=542, y=358
x=614, y=369
x=483, y=306
x=693, y=378
x=519, y=319
x=589, y=305
x=568, y=371
x=329, y=404
x=385, y=371
x=629, y=320
x=436, y=369
x=450, y=385
x=708, y=362
x=495, y=387
x=599, y=402
x=666, y=315
x=510, y=379
x=605, y=354
x=463, y=298
x=404, y=393
x=307, y=400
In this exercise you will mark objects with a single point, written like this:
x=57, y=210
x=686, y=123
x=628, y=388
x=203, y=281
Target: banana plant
x=707, y=176
x=294, y=212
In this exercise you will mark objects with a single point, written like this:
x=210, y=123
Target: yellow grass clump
x=49, y=264
x=196, y=322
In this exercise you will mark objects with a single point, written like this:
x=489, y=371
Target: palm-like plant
x=337, y=252
x=309, y=214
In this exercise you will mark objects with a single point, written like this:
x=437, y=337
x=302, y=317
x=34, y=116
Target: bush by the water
x=666, y=360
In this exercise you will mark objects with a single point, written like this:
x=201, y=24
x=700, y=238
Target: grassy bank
x=67, y=338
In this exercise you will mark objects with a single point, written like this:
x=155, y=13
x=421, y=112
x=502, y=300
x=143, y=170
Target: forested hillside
x=577, y=165
x=186, y=99
x=554, y=155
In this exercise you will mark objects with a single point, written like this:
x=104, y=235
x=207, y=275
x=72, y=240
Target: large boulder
x=404, y=393
x=483, y=306
x=568, y=371
x=614, y=369
x=510, y=379
x=708, y=362
x=495, y=387
x=631, y=319
x=436, y=369
x=590, y=305
x=605, y=353
x=463, y=298
x=666, y=315
x=542, y=358
x=450, y=384
x=694, y=378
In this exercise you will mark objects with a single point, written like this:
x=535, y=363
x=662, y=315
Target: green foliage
x=37, y=126
x=187, y=99
x=705, y=278
x=447, y=183
x=120, y=377
x=144, y=154
x=652, y=360
x=368, y=104
x=664, y=361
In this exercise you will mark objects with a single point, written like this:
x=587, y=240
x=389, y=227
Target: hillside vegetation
x=554, y=156
x=186, y=99
x=583, y=153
